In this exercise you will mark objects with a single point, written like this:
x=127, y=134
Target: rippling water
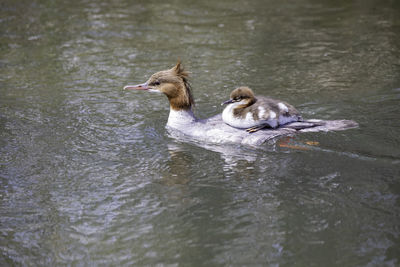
x=90, y=176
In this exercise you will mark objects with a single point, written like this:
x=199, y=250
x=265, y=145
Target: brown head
x=242, y=94
x=173, y=83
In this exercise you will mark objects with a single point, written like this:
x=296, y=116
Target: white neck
x=180, y=118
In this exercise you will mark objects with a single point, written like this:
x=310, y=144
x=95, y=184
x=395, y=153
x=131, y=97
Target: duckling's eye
x=156, y=83
x=237, y=98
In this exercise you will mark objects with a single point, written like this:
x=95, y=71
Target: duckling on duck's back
x=244, y=110
x=175, y=85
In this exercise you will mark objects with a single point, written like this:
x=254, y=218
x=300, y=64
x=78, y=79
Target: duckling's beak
x=142, y=86
x=227, y=102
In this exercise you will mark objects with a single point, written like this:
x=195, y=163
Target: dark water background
x=90, y=176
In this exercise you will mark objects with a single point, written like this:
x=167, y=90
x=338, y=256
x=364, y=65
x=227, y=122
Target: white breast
x=230, y=119
x=178, y=119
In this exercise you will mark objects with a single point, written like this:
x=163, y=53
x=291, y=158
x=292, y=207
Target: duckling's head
x=242, y=95
x=173, y=83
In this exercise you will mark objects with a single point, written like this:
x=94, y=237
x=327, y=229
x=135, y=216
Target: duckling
x=252, y=113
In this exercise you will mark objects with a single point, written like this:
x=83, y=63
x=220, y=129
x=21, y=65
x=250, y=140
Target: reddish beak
x=142, y=86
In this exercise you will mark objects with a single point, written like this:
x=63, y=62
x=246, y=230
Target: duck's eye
x=237, y=99
x=155, y=83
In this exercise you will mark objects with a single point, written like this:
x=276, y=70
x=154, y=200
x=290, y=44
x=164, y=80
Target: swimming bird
x=182, y=122
x=244, y=110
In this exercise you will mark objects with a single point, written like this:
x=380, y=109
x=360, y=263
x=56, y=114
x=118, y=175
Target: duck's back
x=278, y=106
x=272, y=111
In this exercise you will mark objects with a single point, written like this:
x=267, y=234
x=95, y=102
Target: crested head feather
x=184, y=75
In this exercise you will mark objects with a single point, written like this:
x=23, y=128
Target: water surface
x=90, y=176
